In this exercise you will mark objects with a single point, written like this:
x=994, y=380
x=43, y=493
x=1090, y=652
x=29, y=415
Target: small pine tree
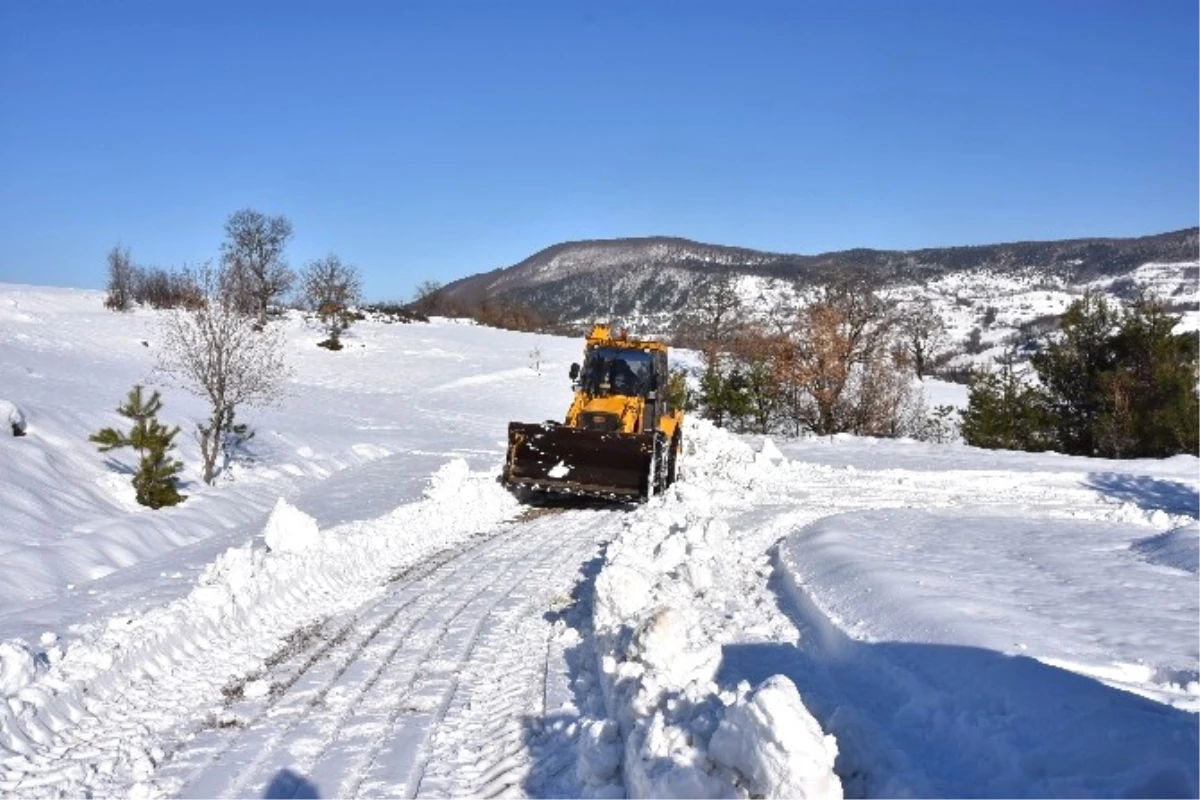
x=723, y=397
x=678, y=393
x=154, y=481
x=1003, y=412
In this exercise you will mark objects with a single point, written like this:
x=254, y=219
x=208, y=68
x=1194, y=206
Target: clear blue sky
x=440, y=139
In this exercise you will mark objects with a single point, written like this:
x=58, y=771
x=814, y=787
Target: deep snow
x=359, y=608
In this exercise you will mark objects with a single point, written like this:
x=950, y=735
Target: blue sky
x=434, y=140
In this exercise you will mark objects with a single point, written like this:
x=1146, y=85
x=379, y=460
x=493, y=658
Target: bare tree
x=710, y=325
x=122, y=279
x=330, y=288
x=425, y=289
x=252, y=254
x=167, y=288
x=922, y=335
x=840, y=338
x=759, y=356
x=216, y=352
x=715, y=312
x=425, y=297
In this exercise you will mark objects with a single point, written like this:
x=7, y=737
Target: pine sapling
x=154, y=481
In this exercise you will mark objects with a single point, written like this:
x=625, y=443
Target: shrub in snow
x=122, y=275
x=334, y=342
x=155, y=477
x=13, y=417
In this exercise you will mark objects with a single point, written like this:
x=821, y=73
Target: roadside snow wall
x=672, y=731
x=244, y=604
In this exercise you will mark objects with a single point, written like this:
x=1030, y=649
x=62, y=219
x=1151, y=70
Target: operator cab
x=617, y=371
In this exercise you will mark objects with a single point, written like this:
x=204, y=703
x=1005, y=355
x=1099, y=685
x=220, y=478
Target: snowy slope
x=361, y=610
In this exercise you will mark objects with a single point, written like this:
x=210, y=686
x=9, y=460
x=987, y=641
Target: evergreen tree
x=1005, y=413
x=724, y=397
x=154, y=480
x=1116, y=385
x=1073, y=371
x=1149, y=406
x=678, y=393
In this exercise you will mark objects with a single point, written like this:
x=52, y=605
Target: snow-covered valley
x=360, y=609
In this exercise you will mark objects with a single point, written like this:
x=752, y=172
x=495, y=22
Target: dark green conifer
x=1116, y=384
x=1005, y=413
x=154, y=481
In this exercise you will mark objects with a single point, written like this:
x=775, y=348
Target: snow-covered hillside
x=1000, y=303
x=360, y=609
x=646, y=284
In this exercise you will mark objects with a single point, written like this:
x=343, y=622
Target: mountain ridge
x=653, y=275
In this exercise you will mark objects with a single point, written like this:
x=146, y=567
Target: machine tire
x=672, y=458
x=662, y=465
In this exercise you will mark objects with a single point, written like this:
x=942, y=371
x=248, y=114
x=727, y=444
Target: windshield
x=609, y=370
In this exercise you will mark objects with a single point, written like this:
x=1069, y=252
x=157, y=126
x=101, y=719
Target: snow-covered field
x=360, y=609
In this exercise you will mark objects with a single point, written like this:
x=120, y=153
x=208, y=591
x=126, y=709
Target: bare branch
x=217, y=352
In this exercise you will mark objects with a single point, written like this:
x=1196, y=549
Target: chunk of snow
x=599, y=753
x=775, y=745
x=769, y=452
x=621, y=591
x=290, y=530
x=559, y=470
x=11, y=417
x=447, y=481
x=17, y=667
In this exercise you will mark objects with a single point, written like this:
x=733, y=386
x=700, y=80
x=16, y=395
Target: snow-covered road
x=436, y=687
x=432, y=690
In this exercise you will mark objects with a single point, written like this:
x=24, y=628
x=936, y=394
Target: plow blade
x=558, y=458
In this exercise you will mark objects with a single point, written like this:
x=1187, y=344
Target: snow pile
x=290, y=530
x=768, y=737
x=17, y=667
x=714, y=456
x=11, y=417
x=1178, y=548
x=659, y=622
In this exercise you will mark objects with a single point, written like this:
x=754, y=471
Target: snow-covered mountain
x=360, y=610
x=647, y=282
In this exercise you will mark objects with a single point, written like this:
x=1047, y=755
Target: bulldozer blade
x=559, y=458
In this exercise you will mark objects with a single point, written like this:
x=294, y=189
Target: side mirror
x=574, y=371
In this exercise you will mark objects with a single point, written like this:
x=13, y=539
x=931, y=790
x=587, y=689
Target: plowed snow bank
x=245, y=604
x=659, y=620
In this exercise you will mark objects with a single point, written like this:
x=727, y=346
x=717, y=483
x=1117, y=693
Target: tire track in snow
x=490, y=739
x=308, y=687
x=117, y=732
x=373, y=721
x=387, y=774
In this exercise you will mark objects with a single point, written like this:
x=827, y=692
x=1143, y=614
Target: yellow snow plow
x=621, y=437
